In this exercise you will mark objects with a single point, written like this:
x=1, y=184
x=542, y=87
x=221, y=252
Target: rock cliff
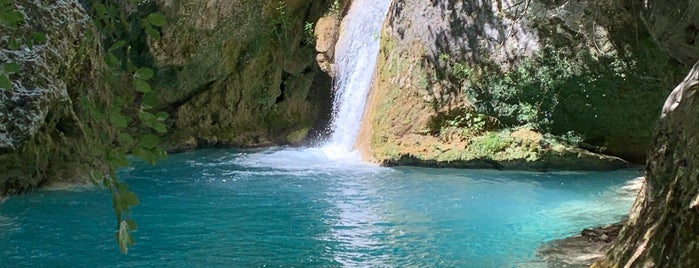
x=228, y=73
x=492, y=83
x=663, y=227
x=41, y=139
x=241, y=73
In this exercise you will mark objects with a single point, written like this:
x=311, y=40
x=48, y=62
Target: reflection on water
x=235, y=208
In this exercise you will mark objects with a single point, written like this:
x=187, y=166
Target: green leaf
x=11, y=18
x=160, y=153
x=144, y=73
x=112, y=61
x=125, y=139
x=119, y=44
x=152, y=32
x=5, y=82
x=149, y=141
x=149, y=101
x=123, y=236
x=131, y=224
x=159, y=127
x=11, y=67
x=141, y=86
x=39, y=38
x=117, y=160
x=118, y=120
x=157, y=19
x=96, y=178
x=162, y=115
x=129, y=199
x=12, y=43
x=152, y=121
x=100, y=8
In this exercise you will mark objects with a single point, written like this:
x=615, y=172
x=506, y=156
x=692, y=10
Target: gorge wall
x=41, y=137
x=241, y=73
x=226, y=73
x=516, y=84
x=663, y=227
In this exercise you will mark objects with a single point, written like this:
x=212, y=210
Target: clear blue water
x=228, y=208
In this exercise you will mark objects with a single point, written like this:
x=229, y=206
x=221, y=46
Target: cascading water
x=356, y=54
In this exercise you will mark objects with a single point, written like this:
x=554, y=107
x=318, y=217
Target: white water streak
x=356, y=54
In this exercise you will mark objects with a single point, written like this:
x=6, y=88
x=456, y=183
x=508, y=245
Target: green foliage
x=490, y=144
x=8, y=15
x=561, y=90
x=6, y=69
x=335, y=7
x=309, y=37
x=572, y=138
x=109, y=121
x=280, y=19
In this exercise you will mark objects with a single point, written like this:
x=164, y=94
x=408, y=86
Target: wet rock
x=581, y=250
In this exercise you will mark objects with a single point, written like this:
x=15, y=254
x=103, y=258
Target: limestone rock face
x=240, y=73
x=40, y=134
x=663, y=228
x=450, y=71
x=675, y=25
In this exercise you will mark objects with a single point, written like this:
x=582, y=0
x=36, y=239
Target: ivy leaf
x=149, y=101
x=149, y=141
x=5, y=82
x=131, y=224
x=39, y=38
x=162, y=115
x=141, y=86
x=117, y=160
x=128, y=198
x=123, y=236
x=152, y=121
x=11, y=18
x=11, y=68
x=119, y=44
x=119, y=120
x=112, y=61
x=152, y=32
x=144, y=73
x=12, y=43
x=125, y=139
x=101, y=9
x=157, y=19
x=159, y=127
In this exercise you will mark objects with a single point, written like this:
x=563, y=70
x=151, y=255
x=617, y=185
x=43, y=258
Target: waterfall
x=356, y=54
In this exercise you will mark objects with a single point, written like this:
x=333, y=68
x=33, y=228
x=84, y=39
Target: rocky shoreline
x=581, y=250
